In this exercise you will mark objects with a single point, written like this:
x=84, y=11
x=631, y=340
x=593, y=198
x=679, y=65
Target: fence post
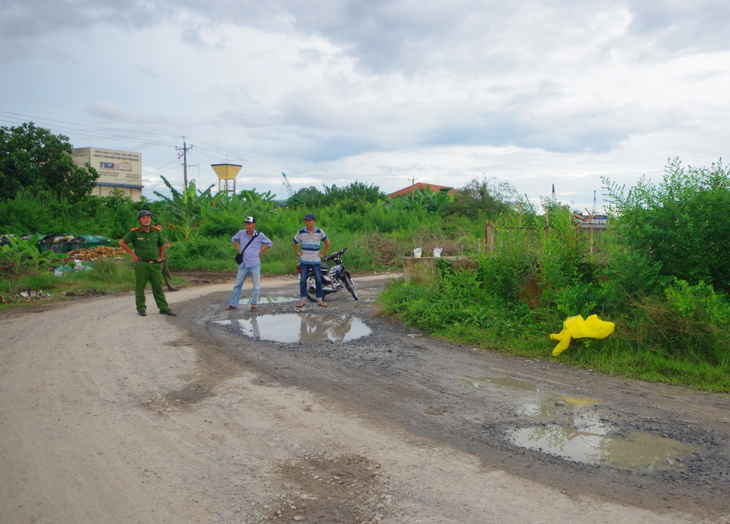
x=490, y=236
x=591, y=250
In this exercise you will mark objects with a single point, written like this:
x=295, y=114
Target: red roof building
x=422, y=186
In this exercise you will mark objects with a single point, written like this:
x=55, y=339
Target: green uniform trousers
x=153, y=273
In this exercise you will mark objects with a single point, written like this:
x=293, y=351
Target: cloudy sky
x=534, y=93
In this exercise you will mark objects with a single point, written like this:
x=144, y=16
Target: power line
x=257, y=161
x=85, y=130
x=162, y=167
x=239, y=157
x=100, y=132
x=83, y=125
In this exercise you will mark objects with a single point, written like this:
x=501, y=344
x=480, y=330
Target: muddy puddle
x=575, y=429
x=529, y=400
x=300, y=327
x=637, y=451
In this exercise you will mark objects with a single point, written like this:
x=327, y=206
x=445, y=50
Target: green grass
x=108, y=276
x=475, y=320
x=365, y=251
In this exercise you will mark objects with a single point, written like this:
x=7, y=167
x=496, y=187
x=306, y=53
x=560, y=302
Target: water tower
x=225, y=173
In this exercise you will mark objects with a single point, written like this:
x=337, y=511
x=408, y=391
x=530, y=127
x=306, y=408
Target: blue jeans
x=317, y=270
x=243, y=272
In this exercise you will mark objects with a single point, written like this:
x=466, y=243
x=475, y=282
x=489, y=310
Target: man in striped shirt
x=307, y=244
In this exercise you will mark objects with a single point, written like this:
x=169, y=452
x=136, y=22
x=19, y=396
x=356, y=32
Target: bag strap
x=249, y=242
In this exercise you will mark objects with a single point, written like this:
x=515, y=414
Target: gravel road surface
x=330, y=415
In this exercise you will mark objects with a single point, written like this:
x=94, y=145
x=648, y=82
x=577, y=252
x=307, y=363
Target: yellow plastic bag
x=576, y=327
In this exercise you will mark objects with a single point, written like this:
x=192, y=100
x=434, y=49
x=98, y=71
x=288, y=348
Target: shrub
x=681, y=223
x=692, y=324
x=208, y=253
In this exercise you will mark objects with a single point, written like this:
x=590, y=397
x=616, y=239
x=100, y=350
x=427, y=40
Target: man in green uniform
x=148, y=248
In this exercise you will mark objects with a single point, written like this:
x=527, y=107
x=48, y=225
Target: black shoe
x=168, y=312
x=142, y=313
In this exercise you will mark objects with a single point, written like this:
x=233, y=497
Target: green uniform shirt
x=146, y=245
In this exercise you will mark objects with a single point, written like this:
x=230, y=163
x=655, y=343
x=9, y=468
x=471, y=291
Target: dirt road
x=106, y=416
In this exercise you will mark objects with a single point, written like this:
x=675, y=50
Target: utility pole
x=413, y=188
x=184, y=149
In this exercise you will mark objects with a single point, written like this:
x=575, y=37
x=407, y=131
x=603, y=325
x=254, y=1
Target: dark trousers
x=316, y=269
x=166, y=273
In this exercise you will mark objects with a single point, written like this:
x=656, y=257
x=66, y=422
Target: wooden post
x=490, y=236
x=591, y=250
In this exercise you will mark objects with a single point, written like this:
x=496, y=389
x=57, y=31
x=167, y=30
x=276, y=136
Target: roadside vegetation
x=658, y=272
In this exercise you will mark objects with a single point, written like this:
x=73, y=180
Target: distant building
x=422, y=186
x=118, y=170
x=592, y=221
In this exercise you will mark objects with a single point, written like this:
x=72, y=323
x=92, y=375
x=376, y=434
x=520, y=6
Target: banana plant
x=433, y=202
x=184, y=207
x=21, y=253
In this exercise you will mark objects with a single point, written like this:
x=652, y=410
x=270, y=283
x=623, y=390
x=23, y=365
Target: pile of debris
x=87, y=254
x=27, y=295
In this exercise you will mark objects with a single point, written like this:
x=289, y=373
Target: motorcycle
x=333, y=278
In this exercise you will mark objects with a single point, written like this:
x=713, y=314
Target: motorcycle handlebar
x=337, y=254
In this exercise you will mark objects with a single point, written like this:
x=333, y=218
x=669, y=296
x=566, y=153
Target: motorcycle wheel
x=312, y=289
x=350, y=285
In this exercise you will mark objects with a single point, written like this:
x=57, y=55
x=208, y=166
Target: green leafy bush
x=691, y=325
x=682, y=223
x=209, y=253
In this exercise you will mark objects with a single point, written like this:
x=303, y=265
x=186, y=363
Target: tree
x=309, y=197
x=357, y=191
x=33, y=158
x=185, y=208
x=681, y=223
x=488, y=198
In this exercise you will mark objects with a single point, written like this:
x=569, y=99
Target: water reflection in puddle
x=528, y=399
x=551, y=405
x=301, y=327
x=583, y=435
x=642, y=452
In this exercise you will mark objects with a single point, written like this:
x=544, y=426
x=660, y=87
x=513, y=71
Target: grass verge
x=464, y=315
x=107, y=276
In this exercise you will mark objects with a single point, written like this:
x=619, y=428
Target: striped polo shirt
x=310, y=243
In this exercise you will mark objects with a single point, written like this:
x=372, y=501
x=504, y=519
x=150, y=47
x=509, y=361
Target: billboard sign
x=120, y=168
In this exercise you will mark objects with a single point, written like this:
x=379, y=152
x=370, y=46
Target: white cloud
x=533, y=92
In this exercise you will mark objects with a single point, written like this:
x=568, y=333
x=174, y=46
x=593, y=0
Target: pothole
x=347, y=488
x=301, y=327
x=638, y=451
x=529, y=401
x=575, y=429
